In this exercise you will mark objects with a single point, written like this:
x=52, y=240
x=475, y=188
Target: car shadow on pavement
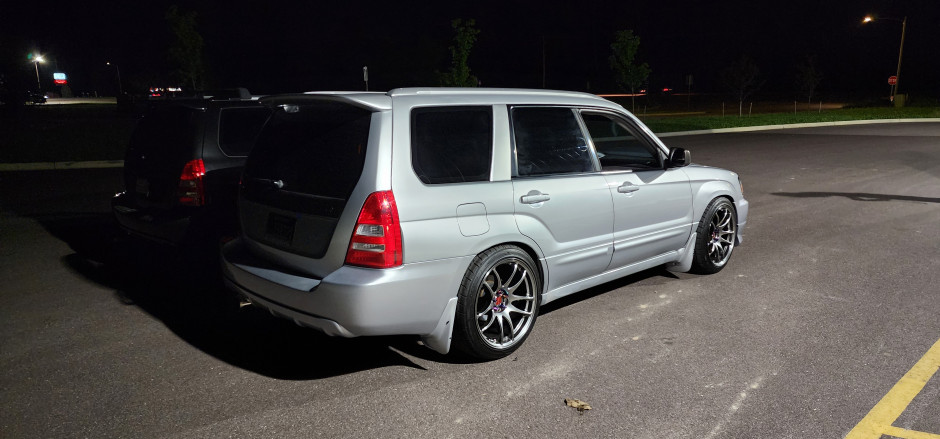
x=183, y=290
x=857, y=196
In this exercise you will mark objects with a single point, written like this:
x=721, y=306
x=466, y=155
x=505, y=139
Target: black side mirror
x=678, y=157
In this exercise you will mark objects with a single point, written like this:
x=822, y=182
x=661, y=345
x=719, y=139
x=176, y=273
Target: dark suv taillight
x=376, y=239
x=192, y=188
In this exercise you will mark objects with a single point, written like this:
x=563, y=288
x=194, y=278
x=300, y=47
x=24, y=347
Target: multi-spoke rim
x=721, y=230
x=505, y=303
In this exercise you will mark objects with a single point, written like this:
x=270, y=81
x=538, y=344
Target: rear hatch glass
x=305, y=164
x=163, y=141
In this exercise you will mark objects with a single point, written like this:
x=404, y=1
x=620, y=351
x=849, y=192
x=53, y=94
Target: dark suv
x=183, y=165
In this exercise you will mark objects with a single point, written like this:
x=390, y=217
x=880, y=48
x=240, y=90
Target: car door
x=561, y=201
x=652, y=204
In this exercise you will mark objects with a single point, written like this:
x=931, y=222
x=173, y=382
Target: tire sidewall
x=467, y=338
x=701, y=263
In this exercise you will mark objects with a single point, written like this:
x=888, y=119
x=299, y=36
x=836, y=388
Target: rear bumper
x=193, y=225
x=350, y=301
x=163, y=227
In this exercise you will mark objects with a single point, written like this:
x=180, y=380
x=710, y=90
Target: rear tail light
x=376, y=239
x=192, y=188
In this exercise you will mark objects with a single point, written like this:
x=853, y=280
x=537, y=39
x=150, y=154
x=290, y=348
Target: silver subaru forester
x=453, y=214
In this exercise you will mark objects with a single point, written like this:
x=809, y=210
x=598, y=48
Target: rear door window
x=239, y=127
x=549, y=140
x=452, y=144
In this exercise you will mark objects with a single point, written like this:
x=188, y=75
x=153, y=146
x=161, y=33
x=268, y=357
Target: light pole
x=36, y=60
x=118, y=69
x=897, y=82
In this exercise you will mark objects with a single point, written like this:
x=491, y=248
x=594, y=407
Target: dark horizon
x=275, y=47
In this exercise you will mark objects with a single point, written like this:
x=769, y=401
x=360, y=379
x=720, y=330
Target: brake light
x=192, y=188
x=376, y=239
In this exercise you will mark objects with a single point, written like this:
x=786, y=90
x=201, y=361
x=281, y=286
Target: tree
x=629, y=75
x=186, y=51
x=459, y=74
x=742, y=79
x=807, y=78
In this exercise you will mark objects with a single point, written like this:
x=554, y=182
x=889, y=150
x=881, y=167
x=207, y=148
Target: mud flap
x=684, y=262
x=439, y=338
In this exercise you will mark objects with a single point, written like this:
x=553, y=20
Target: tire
x=716, y=234
x=497, y=303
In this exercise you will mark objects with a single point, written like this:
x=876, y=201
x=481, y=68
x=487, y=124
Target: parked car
x=182, y=168
x=454, y=214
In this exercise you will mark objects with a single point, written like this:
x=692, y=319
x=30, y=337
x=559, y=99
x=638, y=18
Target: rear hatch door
x=299, y=179
x=164, y=140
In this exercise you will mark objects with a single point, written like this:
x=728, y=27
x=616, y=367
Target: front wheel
x=497, y=303
x=716, y=234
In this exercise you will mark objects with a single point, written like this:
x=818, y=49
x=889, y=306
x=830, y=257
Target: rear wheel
x=716, y=234
x=497, y=303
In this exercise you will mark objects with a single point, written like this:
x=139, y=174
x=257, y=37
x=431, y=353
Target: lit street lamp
x=120, y=87
x=869, y=19
x=36, y=60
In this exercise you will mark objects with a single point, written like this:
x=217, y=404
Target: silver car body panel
x=584, y=234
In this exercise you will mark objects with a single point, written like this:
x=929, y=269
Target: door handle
x=534, y=198
x=626, y=188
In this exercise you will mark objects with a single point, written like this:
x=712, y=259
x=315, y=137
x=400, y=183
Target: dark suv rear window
x=238, y=128
x=452, y=144
x=309, y=150
x=165, y=136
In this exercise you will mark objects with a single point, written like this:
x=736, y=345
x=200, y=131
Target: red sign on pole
x=892, y=80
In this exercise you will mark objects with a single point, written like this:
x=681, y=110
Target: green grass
x=665, y=124
x=59, y=133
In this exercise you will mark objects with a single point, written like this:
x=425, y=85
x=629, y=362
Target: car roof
x=378, y=101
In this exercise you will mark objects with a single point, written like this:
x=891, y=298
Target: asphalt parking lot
x=824, y=325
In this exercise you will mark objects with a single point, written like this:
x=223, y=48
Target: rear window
x=452, y=144
x=314, y=150
x=238, y=128
x=166, y=134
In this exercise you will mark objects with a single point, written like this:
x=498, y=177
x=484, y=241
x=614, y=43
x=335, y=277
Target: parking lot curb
x=793, y=126
x=48, y=166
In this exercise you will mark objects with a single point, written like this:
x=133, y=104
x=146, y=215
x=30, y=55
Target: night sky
x=275, y=46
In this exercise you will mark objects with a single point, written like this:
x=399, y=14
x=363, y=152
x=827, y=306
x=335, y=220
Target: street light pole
x=869, y=19
x=118, y=69
x=900, y=54
x=36, y=60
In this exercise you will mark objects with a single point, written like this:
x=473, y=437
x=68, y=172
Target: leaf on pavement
x=577, y=404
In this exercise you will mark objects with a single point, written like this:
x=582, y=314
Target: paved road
x=830, y=301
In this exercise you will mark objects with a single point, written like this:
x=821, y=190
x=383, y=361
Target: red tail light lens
x=192, y=189
x=376, y=239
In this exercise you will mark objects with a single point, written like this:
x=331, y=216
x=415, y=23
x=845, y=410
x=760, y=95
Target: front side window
x=617, y=145
x=452, y=144
x=549, y=140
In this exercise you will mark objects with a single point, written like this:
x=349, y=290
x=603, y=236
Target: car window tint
x=617, y=146
x=451, y=144
x=166, y=135
x=238, y=128
x=316, y=149
x=549, y=140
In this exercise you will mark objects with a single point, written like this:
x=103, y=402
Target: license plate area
x=281, y=227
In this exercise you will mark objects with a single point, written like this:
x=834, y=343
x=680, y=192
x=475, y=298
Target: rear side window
x=452, y=144
x=238, y=128
x=316, y=149
x=549, y=140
